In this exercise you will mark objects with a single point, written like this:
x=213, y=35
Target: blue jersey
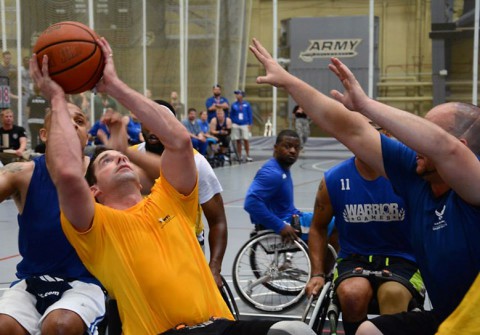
x=269, y=199
x=241, y=113
x=369, y=216
x=445, y=234
x=42, y=243
x=95, y=128
x=134, y=128
x=204, y=126
x=214, y=100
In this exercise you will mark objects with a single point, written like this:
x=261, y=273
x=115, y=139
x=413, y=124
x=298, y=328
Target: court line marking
x=9, y=257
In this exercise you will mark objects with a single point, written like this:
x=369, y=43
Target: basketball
x=75, y=60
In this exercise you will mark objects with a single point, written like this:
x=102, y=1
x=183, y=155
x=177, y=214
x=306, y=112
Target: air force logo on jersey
x=358, y=213
x=441, y=223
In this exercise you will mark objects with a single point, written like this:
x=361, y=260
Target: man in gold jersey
x=143, y=250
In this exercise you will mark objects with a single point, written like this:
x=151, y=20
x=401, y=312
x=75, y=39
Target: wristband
x=318, y=275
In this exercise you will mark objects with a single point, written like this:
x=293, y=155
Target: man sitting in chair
x=269, y=199
x=143, y=250
x=375, y=259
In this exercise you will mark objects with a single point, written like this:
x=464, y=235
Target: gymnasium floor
x=319, y=155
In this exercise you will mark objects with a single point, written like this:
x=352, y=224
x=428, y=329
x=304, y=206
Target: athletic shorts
x=396, y=265
x=86, y=300
x=240, y=132
x=407, y=323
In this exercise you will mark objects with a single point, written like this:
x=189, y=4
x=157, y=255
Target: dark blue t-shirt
x=445, y=230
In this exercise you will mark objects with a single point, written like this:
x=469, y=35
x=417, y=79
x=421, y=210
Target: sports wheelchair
x=326, y=306
x=269, y=274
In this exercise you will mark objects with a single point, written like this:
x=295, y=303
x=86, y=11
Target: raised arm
x=64, y=151
x=425, y=136
x=178, y=154
x=352, y=129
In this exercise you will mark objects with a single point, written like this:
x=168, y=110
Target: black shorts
x=225, y=327
x=400, y=267
x=408, y=323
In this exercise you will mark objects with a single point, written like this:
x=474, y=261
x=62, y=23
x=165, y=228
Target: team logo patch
x=357, y=213
x=441, y=223
x=163, y=221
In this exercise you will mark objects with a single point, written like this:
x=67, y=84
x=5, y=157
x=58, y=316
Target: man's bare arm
x=447, y=152
x=352, y=129
x=178, y=154
x=64, y=152
x=318, y=239
x=218, y=235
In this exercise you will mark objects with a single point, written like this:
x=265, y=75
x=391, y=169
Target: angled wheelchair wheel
x=271, y=275
x=227, y=295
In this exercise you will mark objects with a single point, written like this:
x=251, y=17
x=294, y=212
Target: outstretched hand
x=118, y=133
x=276, y=75
x=353, y=98
x=41, y=78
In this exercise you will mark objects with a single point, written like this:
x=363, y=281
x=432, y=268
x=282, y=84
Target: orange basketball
x=75, y=60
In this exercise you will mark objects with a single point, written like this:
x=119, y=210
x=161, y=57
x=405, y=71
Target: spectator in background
x=199, y=141
x=302, y=124
x=179, y=107
x=101, y=102
x=216, y=101
x=212, y=141
x=27, y=91
x=134, y=129
x=12, y=137
x=99, y=133
x=36, y=109
x=242, y=120
x=8, y=70
x=221, y=127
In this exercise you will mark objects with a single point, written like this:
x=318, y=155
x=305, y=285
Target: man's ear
x=95, y=190
x=464, y=141
x=43, y=134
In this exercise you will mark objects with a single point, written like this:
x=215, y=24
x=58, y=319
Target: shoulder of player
x=18, y=173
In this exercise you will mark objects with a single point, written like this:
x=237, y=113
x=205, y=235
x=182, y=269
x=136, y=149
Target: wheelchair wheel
x=270, y=275
x=325, y=305
x=227, y=295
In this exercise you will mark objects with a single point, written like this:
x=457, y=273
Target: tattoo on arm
x=319, y=205
x=11, y=168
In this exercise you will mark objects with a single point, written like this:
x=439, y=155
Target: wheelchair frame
x=327, y=306
x=270, y=275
